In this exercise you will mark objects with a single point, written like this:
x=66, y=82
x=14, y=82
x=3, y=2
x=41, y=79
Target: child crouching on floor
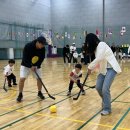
x=75, y=76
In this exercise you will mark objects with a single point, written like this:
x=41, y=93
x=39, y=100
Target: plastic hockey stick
x=44, y=86
x=4, y=86
x=76, y=98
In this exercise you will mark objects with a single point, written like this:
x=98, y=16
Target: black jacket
x=29, y=52
x=66, y=51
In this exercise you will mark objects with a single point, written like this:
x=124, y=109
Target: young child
x=8, y=72
x=75, y=76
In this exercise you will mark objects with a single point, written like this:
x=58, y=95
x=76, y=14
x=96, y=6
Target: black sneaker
x=68, y=93
x=14, y=83
x=83, y=92
x=40, y=95
x=20, y=97
x=9, y=85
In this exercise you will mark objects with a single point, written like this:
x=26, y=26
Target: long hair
x=91, y=43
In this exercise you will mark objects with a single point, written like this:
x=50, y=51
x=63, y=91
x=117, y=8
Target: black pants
x=82, y=60
x=78, y=84
x=71, y=56
x=92, y=57
x=86, y=59
x=75, y=60
x=64, y=57
x=10, y=78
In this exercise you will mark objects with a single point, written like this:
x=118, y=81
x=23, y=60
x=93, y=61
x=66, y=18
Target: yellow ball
x=53, y=109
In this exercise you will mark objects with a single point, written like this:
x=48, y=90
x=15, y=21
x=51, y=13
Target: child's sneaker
x=83, y=92
x=20, y=97
x=40, y=95
x=68, y=93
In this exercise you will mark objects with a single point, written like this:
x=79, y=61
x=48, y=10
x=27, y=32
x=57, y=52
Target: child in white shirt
x=75, y=76
x=8, y=72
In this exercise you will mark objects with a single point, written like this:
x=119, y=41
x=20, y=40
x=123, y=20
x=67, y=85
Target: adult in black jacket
x=34, y=48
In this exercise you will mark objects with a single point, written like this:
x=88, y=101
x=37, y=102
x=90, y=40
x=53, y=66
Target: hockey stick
x=76, y=98
x=44, y=86
x=89, y=86
x=34, y=60
x=4, y=86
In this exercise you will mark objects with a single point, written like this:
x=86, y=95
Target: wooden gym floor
x=34, y=114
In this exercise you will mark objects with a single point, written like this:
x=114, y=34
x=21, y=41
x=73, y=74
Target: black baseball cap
x=42, y=40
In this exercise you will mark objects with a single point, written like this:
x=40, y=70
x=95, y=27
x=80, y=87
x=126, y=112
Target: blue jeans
x=103, y=87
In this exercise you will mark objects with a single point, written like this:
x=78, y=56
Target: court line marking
x=39, y=101
x=101, y=110
x=30, y=103
x=36, y=102
x=121, y=119
x=24, y=91
x=69, y=119
x=8, y=97
x=122, y=102
x=6, y=108
x=12, y=100
x=45, y=107
x=109, y=126
x=13, y=122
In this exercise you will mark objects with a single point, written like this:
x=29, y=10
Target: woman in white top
x=108, y=69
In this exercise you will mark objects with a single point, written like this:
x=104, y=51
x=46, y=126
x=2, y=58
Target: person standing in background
x=66, y=53
x=72, y=50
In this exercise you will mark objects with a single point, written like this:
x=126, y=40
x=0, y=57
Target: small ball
x=53, y=109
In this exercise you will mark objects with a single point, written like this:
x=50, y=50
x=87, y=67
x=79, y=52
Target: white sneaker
x=105, y=113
